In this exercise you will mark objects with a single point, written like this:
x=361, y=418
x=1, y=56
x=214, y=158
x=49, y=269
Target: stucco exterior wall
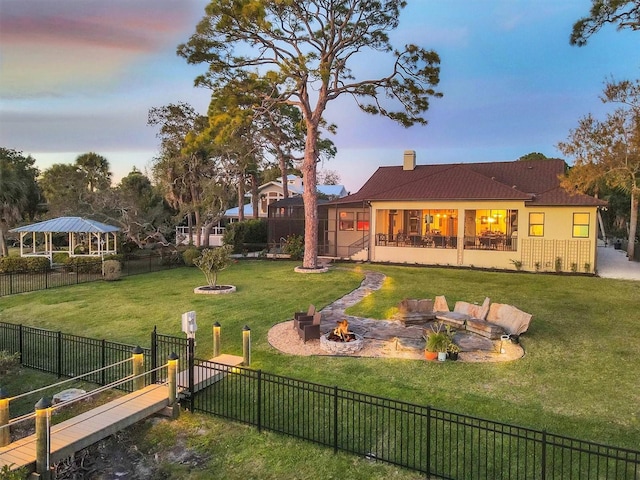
x=532, y=253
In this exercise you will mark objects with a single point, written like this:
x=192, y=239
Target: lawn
x=578, y=376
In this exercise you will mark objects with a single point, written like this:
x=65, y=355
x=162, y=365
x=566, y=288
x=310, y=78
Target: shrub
x=9, y=362
x=112, y=270
x=558, y=264
x=7, y=474
x=212, y=261
x=248, y=234
x=84, y=264
x=60, y=257
x=517, y=264
x=189, y=255
x=294, y=246
x=24, y=264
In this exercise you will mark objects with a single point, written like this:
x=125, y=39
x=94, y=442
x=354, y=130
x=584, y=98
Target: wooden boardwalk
x=90, y=427
x=203, y=376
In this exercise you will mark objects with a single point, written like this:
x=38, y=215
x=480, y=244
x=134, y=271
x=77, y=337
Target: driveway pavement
x=614, y=263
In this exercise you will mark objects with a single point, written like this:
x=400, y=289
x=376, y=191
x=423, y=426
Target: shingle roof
x=534, y=181
x=68, y=224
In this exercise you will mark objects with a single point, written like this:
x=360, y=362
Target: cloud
x=53, y=46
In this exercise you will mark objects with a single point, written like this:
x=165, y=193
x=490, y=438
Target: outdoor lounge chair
x=310, y=330
x=304, y=316
x=463, y=312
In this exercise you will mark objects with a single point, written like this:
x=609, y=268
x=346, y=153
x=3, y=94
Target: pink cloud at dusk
x=49, y=46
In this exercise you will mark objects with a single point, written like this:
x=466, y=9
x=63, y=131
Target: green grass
x=577, y=378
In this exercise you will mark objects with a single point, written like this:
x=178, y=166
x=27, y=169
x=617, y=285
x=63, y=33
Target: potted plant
x=429, y=352
x=453, y=351
x=437, y=342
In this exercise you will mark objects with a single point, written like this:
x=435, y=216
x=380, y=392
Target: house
x=499, y=215
x=271, y=192
x=268, y=193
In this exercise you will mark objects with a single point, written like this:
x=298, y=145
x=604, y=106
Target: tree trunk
x=190, y=227
x=240, y=197
x=633, y=225
x=206, y=231
x=254, y=194
x=4, y=229
x=282, y=160
x=198, y=228
x=310, y=198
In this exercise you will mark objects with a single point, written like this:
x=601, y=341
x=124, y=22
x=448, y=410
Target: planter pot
x=217, y=290
x=430, y=355
x=453, y=356
x=442, y=356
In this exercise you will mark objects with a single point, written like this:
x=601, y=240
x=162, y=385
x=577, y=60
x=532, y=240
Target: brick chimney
x=409, y=162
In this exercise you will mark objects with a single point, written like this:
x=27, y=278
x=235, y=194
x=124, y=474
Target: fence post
x=191, y=352
x=138, y=367
x=59, y=346
x=5, y=434
x=172, y=367
x=246, y=346
x=428, y=440
x=543, y=471
x=154, y=354
x=216, y=339
x=259, y=416
x=21, y=345
x=43, y=438
x=335, y=419
x=104, y=361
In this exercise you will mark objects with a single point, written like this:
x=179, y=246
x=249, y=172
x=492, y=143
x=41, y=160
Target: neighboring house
x=271, y=192
x=268, y=193
x=488, y=215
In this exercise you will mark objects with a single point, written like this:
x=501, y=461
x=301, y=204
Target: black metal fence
x=69, y=356
x=432, y=441
x=82, y=272
x=436, y=442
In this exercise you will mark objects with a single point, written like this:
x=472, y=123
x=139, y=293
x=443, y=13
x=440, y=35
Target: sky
x=81, y=75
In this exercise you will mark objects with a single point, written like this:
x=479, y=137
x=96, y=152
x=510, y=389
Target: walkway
x=614, y=263
x=88, y=428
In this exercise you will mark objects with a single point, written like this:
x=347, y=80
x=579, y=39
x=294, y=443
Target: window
x=362, y=221
x=346, y=221
x=536, y=224
x=581, y=225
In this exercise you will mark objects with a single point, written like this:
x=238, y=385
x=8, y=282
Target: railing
x=83, y=272
x=431, y=241
x=490, y=243
x=496, y=243
x=63, y=354
x=358, y=245
x=429, y=440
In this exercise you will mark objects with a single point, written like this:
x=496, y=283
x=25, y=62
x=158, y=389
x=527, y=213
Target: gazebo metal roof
x=82, y=232
x=68, y=224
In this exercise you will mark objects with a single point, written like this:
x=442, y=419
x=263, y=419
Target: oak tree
x=609, y=150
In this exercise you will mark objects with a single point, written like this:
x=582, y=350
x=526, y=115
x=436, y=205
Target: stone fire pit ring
x=341, y=348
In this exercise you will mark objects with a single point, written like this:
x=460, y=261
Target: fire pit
x=340, y=341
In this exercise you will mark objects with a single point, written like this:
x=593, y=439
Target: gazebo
x=96, y=239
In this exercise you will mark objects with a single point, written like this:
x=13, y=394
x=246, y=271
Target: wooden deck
x=88, y=428
x=203, y=377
